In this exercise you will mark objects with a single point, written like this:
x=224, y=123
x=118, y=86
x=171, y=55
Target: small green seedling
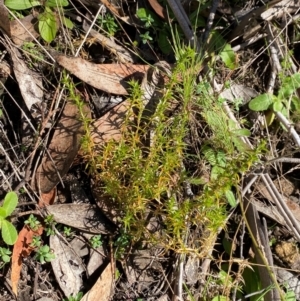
x=146, y=37
x=47, y=20
x=67, y=231
x=74, y=298
x=32, y=222
x=95, y=241
x=108, y=23
x=279, y=103
x=36, y=242
x=4, y=256
x=8, y=230
x=44, y=254
x=50, y=224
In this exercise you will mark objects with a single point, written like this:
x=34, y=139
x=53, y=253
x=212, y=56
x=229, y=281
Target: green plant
x=146, y=37
x=96, y=241
x=108, y=23
x=279, y=103
x=146, y=16
x=32, y=49
x=77, y=297
x=4, y=256
x=44, y=254
x=48, y=21
x=50, y=224
x=8, y=230
x=32, y=222
x=67, y=231
x=121, y=244
x=36, y=242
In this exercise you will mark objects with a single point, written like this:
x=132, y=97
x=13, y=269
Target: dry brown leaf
x=23, y=30
x=111, y=78
x=157, y=8
x=22, y=246
x=67, y=267
x=123, y=55
x=30, y=82
x=81, y=216
x=47, y=198
x=63, y=149
x=103, y=286
x=4, y=18
x=21, y=249
x=109, y=126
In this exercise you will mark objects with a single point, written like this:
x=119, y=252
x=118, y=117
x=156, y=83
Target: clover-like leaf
x=10, y=202
x=48, y=26
x=228, y=56
x=56, y=3
x=3, y=214
x=261, y=102
x=230, y=198
x=21, y=4
x=9, y=232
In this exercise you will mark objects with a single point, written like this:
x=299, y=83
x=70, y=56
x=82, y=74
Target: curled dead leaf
x=111, y=78
x=21, y=249
x=103, y=286
x=63, y=148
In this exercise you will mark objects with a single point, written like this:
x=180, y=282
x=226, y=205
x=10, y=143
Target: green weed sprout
x=32, y=222
x=47, y=21
x=44, y=254
x=280, y=102
x=76, y=297
x=8, y=230
x=96, y=241
x=4, y=256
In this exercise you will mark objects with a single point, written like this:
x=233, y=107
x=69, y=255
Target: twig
x=281, y=206
x=210, y=20
x=183, y=21
x=289, y=127
x=249, y=42
x=274, y=60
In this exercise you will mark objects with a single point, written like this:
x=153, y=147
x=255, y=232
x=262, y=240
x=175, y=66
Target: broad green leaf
x=9, y=232
x=67, y=22
x=277, y=106
x=240, y=145
x=216, y=171
x=216, y=42
x=3, y=213
x=221, y=159
x=21, y=4
x=252, y=282
x=290, y=296
x=270, y=116
x=261, y=102
x=47, y=26
x=56, y=3
x=10, y=202
x=142, y=13
x=289, y=85
x=164, y=43
x=227, y=245
x=209, y=155
x=196, y=19
x=228, y=57
x=220, y=298
x=230, y=198
x=242, y=132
